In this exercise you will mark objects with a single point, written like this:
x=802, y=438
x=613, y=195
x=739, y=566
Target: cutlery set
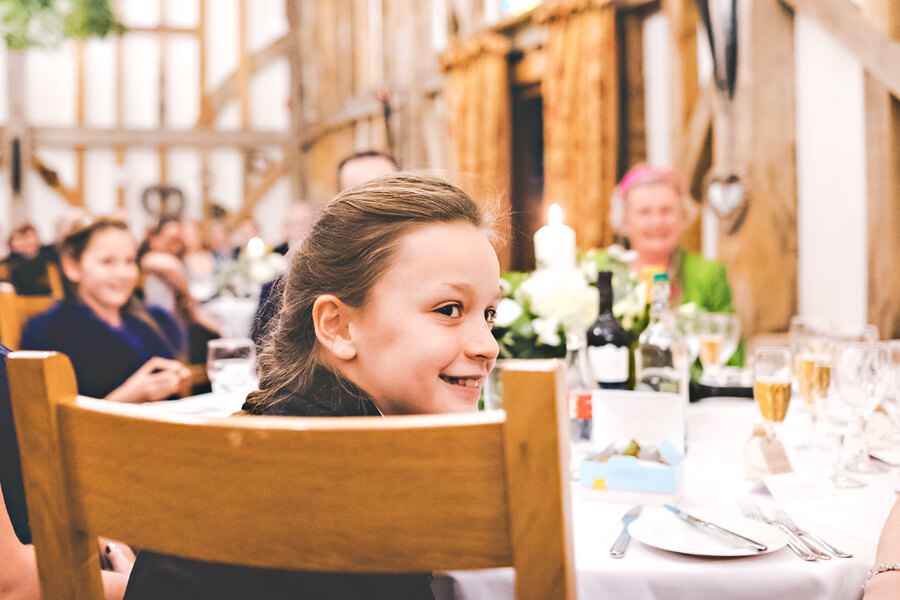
x=804, y=544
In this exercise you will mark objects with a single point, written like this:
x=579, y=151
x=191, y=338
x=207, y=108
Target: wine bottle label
x=609, y=363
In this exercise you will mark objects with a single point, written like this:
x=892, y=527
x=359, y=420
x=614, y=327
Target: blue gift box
x=632, y=474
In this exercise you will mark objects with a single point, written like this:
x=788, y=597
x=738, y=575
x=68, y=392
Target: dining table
x=713, y=481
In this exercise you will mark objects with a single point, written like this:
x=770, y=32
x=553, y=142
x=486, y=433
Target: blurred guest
x=652, y=209
x=120, y=349
x=199, y=262
x=219, y=236
x=246, y=230
x=364, y=166
x=166, y=284
x=29, y=266
x=296, y=222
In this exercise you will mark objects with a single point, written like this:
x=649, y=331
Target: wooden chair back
x=15, y=310
x=402, y=494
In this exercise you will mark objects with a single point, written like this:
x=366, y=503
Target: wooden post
x=79, y=119
x=163, y=150
x=685, y=91
x=293, y=156
x=758, y=244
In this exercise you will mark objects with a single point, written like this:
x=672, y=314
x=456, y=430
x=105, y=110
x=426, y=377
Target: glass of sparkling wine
x=231, y=365
x=810, y=354
x=772, y=384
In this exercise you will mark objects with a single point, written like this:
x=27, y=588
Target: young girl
x=119, y=350
x=387, y=309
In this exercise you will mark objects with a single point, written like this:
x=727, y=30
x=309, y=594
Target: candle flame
x=256, y=247
x=554, y=217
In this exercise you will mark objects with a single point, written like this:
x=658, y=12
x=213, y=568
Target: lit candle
x=554, y=243
x=256, y=248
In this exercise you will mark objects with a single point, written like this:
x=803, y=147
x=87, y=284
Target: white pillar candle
x=554, y=243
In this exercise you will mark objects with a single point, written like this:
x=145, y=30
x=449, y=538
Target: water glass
x=860, y=373
x=231, y=365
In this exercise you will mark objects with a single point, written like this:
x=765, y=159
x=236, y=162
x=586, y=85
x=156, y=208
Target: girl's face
x=654, y=219
x=107, y=272
x=423, y=338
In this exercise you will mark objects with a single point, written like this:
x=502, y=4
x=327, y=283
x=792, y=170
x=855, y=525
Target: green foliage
x=29, y=23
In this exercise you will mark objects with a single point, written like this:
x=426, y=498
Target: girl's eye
x=451, y=310
x=489, y=316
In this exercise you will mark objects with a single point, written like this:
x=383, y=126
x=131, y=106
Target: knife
x=717, y=530
x=618, y=547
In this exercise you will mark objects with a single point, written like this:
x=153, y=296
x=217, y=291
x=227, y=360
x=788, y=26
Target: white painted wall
x=831, y=176
x=51, y=101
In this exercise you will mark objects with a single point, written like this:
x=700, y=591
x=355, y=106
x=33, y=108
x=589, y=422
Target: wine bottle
x=608, y=344
x=661, y=356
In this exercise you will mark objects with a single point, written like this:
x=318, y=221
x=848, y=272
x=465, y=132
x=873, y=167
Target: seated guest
x=352, y=170
x=120, y=349
x=199, y=263
x=18, y=568
x=296, y=223
x=651, y=208
x=28, y=265
x=387, y=309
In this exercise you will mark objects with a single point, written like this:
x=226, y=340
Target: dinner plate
x=663, y=530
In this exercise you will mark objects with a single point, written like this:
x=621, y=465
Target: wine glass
x=772, y=384
x=838, y=413
x=231, y=365
x=719, y=336
x=860, y=374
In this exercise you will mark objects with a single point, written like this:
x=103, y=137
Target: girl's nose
x=481, y=343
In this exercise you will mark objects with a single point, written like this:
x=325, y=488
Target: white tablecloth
x=717, y=431
x=235, y=314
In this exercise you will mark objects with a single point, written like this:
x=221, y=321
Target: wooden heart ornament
x=163, y=201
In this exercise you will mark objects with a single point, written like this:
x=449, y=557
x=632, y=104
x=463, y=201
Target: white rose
x=507, y=312
x=563, y=295
x=547, y=331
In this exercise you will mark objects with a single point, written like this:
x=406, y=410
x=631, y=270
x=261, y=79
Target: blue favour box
x=629, y=473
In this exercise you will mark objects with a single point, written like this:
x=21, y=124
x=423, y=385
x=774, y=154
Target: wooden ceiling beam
x=196, y=138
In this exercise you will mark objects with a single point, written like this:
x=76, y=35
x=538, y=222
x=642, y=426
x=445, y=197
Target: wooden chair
x=15, y=310
x=461, y=491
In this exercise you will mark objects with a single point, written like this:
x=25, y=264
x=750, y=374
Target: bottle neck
x=604, y=287
x=659, y=303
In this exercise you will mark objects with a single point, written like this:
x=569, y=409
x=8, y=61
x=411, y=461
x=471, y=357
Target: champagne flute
x=810, y=361
x=772, y=385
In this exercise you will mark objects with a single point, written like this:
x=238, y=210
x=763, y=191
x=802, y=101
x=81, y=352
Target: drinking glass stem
x=839, y=472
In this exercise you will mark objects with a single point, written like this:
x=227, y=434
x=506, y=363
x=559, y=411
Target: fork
x=752, y=511
x=784, y=518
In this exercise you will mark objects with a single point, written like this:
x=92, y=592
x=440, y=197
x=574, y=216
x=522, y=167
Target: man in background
x=352, y=171
x=364, y=166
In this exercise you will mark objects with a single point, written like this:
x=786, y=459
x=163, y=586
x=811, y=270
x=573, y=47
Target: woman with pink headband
x=651, y=209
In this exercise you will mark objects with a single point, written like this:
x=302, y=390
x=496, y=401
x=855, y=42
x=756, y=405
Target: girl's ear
x=331, y=319
x=71, y=268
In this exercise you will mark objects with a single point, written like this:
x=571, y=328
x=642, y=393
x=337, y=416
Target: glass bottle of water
x=661, y=356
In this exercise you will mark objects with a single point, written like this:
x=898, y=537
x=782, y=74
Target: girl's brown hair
x=346, y=250
x=73, y=246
